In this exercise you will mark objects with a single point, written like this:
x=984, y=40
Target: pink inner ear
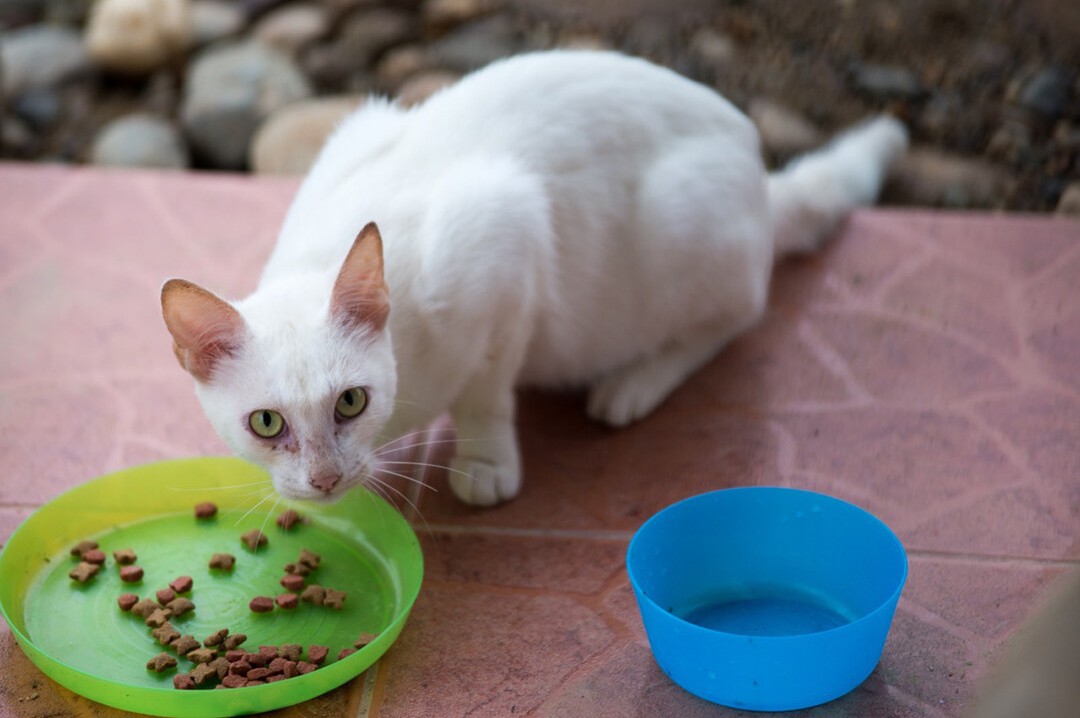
x=205, y=329
x=360, y=297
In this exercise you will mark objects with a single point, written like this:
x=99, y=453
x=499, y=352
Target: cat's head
x=295, y=379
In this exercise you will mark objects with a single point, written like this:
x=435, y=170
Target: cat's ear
x=205, y=329
x=360, y=297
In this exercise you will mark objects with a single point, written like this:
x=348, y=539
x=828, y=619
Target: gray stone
x=476, y=44
x=1069, y=204
x=16, y=139
x=713, y=49
x=41, y=107
x=139, y=140
x=398, y=65
x=363, y=36
x=40, y=56
x=136, y=37
x=887, y=81
x=230, y=90
x=442, y=15
x=1046, y=92
x=214, y=20
x=423, y=85
x=783, y=131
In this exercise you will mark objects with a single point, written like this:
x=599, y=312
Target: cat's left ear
x=360, y=297
x=205, y=328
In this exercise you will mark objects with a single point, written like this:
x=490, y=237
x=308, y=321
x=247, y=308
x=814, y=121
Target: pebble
x=40, y=107
x=399, y=64
x=231, y=88
x=363, y=35
x=713, y=49
x=933, y=178
x=422, y=86
x=290, y=28
x=290, y=139
x=139, y=140
x=137, y=37
x=214, y=20
x=1069, y=203
x=442, y=15
x=886, y=81
x=40, y=56
x=783, y=131
x=1046, y=92
x=475, y=45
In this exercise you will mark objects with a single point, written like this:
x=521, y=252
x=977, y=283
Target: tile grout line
x=991, y=559
x=542, y=533
x=367, y=695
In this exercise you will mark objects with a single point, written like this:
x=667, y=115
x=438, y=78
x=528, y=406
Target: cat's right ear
x=360, y=297
x=205, y=328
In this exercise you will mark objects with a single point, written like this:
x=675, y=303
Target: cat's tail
x=812, y=194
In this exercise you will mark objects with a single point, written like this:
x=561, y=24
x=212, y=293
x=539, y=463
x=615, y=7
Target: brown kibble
x=254, y=539
x=127, y=601
x=303, y=667
x=131, y=574
x=161, y=663
x=125, y=556
x=268, y=652
x=364, y=638
x=235, y=654
x=84, y=571
x=183, y=682
x=145, y=607
x=334, y=598
x=261, y=604
x=297, y=569
x=233, y=681
x=344, y=652
x=185, y=644
x=220, y=666
x=181, y=584
x=165, y=634
x=239, y=668
x=255, y=683
x=314, y=594
x=201, y=673
x=288, y=519
x=291, y=669
x=292, y=582
x=258, y=674
x=216, y=638
x=165, y=595
x=180, y=606
x=202, y=655
x=277, y=665
x=234, y=640
x=291, y=651
x=224, y=561
x=159, y=617
x=205, y=510
x=287, y=600
x=317, y=654
x=83, y=546
x=94, y=555
x=275, y=678
x=310, y=559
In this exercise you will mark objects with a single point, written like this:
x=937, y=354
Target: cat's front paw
x=481, y=483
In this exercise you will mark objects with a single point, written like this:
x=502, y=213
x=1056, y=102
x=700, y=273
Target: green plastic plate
x=76, y=634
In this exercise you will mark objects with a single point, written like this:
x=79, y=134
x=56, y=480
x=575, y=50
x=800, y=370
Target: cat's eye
x=266, y=423
x=351, y=403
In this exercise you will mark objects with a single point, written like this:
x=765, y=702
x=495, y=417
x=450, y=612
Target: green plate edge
x=23, y=558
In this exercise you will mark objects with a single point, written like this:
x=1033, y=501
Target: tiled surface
x=926, y=367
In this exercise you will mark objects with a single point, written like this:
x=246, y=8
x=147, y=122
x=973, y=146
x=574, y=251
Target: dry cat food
x=345, y=652
x=127, y=601
x=254, y=539
x=181, y=584
x=145, y=607
x=292, y=582
x=202, y=655
x=164, y=595
x=185, y=644
x=94, y=555
x=310, y=559
x=224, y=561
x=288, y=519
x=317, y=654
x=287, y=600
x=216, y=638
x=131, y=574
x=334, y=598
x=233, y=641
x=125, y=556
x=180, y=606
x=297, y=569
x=314, y=594
x=363, y=639
x=83, y=546
x=205, y=510
x=161, y=663
x=165, y=634
x=84, y=571
x=261, y=604
x=159, y=617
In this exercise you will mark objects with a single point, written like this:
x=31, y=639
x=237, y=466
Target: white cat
x=559, y=219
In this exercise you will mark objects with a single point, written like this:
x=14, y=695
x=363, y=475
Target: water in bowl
x=766, y=611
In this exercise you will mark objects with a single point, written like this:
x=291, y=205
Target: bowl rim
x=890, y=600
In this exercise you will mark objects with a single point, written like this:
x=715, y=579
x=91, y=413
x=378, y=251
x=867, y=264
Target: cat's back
x=549, y=107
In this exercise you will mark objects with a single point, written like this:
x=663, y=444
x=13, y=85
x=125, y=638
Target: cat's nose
x=325, y=481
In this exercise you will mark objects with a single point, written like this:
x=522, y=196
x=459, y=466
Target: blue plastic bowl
x=766, y=598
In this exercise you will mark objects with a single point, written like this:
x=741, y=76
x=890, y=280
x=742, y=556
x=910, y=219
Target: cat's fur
x=561, y=219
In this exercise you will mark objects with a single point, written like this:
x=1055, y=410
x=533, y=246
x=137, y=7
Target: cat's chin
x=314, y=497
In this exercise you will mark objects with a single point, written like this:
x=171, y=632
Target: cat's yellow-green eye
x=351, y=403
x=266, y=423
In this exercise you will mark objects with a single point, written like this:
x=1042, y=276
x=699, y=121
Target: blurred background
x=989, y=88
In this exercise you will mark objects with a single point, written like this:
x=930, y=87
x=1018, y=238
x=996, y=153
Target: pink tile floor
x=926, y=366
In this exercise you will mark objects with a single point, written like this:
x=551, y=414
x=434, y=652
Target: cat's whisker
x=406, y=499
x=408, y=478
x=273, y=509
x=218, y=488
x=428, y=465
x=252, y=509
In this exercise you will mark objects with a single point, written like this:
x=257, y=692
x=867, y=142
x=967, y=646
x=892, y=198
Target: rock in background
x=990, y=90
